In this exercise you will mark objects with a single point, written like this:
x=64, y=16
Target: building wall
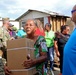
x=57, y=22
x=71, y=24
x=15, y=23
x=32, y=15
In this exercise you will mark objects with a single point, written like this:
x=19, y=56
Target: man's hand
x=7, y=71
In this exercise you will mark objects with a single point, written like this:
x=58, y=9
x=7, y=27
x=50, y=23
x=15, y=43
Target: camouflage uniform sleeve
x=1, y=33
x=1, y=36
x=1, y=62
x=1, y=67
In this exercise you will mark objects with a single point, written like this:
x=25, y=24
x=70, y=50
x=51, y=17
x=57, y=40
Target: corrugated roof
x=45, y=11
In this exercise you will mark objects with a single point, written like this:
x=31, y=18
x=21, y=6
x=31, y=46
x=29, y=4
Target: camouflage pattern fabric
x=4, y=36
x=1, y=67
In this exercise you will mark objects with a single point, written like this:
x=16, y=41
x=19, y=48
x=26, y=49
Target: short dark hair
x=48, y=24
x=63, y=27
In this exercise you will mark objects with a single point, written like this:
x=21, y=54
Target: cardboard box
x=17, y=51
x=22, y=42
x=31, y=71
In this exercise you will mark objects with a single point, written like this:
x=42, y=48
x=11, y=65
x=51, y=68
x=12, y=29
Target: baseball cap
x=11, y=24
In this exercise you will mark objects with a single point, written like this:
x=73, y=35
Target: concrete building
x=46, y=16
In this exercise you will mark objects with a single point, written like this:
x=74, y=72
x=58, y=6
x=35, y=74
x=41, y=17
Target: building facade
x=53, y=18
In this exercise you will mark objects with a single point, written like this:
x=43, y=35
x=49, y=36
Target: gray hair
x=37, y=22
x=34, y=20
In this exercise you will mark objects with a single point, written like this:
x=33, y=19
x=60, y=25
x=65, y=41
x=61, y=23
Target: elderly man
x=69, y=64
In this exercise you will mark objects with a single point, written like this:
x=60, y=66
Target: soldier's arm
x=1, y=34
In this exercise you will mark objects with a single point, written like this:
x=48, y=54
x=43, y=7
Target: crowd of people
x=46, y=43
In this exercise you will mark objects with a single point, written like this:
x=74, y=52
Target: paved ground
x=56, y=71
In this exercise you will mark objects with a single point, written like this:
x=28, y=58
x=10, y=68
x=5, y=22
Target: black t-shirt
x=62, y=41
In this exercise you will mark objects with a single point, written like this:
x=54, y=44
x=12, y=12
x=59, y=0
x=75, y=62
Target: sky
x=15, y=8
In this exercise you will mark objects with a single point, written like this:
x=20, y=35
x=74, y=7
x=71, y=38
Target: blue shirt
x=21, y=33
x=69, y=60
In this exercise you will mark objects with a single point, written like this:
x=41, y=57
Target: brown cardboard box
x=31, y=71
x=17, y=51
x=22, y=42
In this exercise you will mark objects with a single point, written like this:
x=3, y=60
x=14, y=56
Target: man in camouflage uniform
x=4, y=36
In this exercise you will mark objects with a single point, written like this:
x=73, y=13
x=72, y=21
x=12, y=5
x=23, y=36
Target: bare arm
x=32, y=62
x=42, y=58
x=56, y=48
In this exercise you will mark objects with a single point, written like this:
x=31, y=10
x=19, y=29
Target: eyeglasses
x=73, y=11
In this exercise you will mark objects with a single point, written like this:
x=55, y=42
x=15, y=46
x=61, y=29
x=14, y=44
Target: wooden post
x=51, y=21
x=55, y=24
x=58, y=24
